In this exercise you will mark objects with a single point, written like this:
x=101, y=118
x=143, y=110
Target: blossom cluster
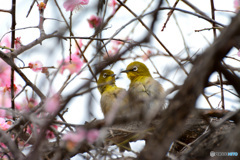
x=72, y=139
x=73, y=63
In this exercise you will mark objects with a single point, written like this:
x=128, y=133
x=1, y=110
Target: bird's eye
x=135, y=69
x=105, y=75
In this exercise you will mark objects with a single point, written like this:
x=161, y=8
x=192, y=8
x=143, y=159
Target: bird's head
x=107, y=77
x=136, y=69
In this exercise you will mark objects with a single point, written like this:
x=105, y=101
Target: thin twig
x=169, y=15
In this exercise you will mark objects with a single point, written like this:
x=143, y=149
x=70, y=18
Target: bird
x=111, y=95
x=114, y=100
x=147, y=95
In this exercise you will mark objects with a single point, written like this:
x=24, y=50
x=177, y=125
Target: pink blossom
x=4, y=157
x=114, y=49
x=35, y=66
x=94, y=21
x=237, y=5
x=115, y=46
x=92, y=135
x=21, y=106
x=5, y=101
x=77, y=52
x=27, y=104
x=76, y=137
x=6, y=42
x=29, y=129
x=110, y=53
x=70, y=5
x=113, y=4
x=115, y=42
x=52, y=104
x=7, y=88
x=5, y=73
x=73, y=66
x=18, y=106
x=32, y=103
x=50, y=134
x=3, y=124
x=3, y=146
x=147, y=55
x=17, y=43
x=80, y=43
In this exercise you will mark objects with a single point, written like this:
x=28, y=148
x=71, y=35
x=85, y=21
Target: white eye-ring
x=135, y=68
x=105, y=75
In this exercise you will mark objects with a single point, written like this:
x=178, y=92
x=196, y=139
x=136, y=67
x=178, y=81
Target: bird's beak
x=125, y=71
x=113, y=75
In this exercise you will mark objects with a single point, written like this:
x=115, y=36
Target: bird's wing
x=138, y=91
x=114, y=99
x=153, y=88
x=106, y=102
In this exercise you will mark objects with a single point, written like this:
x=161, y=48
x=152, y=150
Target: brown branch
x=17, y=52
x=222, y=93
x=6, y=139
x=213, y=17
x=169, y=15
x=154, y=35
x=4, y=10
x=202, y=146
x=194, y=14
x=194, y=8
x=233, y=79
x=184, y=101
x=13, y=13
x=30, y=9
x=130, y=130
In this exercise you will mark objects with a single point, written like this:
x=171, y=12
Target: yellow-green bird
x=114, y=100
x=146, y=94
x=112, y=97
